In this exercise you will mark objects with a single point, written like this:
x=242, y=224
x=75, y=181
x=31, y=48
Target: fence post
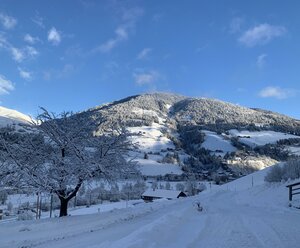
x=40, y=207
x=51, y=204
x=37, y=205
x=290, y=194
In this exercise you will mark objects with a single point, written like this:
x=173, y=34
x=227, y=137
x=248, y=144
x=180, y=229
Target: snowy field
x=260, y=138
x=217, y=144
x=244, y=213
x=294, y=150
x=152, y=168
x=150, y=139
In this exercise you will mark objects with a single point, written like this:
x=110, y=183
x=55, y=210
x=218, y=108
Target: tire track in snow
x=165, y=231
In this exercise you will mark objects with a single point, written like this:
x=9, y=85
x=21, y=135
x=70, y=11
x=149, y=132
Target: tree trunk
x=63, y=207
x=65, y=200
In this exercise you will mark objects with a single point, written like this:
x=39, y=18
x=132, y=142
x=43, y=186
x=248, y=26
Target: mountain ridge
x=178, y=134
x=12, y=117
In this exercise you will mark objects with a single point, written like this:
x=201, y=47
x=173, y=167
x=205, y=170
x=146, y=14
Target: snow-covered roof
x=162, y=193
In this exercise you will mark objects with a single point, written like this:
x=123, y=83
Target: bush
x=10, y=207
x=26, y=215
x=275, y=174
x=180, y=186
x=3, y=196
x=201, y=187
x=289, y=171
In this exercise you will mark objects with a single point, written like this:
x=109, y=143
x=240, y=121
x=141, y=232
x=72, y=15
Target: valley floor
x=248, y=217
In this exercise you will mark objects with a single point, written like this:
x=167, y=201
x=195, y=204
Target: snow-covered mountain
x=12, y=117
x=176, y=134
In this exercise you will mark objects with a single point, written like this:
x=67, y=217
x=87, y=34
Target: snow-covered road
x=230, y=219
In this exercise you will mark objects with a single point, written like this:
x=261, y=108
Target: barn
x=151, y=194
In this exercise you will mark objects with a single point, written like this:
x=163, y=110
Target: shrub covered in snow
x=275, y=174
x=26, y=215
x=3, y=196
x=289, y=171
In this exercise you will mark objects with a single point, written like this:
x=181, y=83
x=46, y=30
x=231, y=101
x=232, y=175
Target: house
x=151, y=194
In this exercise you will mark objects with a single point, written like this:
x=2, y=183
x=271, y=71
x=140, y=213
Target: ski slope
x=243, y=213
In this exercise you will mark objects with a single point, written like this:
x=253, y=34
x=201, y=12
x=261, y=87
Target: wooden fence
x=294, y=189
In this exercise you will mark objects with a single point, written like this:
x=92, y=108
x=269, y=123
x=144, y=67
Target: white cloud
x=144, y=53
x=54, y=36
x=31, y=51
x=3, y=41
x=146, y=78
x=17, y=54
x=261, y=61
x=66, y=71
x=130, y=15
x=8, y=22
x=236, y=25
x=157, y=17
x=6, y=86
x=25, y=74
x=20, y=54
x=30, y=39
x=38, y=20
x=277, y=92
x=129, y=19
x=261, y=34
x=121, y=35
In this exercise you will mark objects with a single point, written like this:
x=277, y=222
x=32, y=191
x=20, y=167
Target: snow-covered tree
x=168, y=186
x=61, y=154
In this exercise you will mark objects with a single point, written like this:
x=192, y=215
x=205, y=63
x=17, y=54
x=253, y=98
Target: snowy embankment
x=244, y=213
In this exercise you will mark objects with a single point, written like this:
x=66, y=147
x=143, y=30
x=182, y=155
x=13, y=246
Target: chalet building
x=151, y=194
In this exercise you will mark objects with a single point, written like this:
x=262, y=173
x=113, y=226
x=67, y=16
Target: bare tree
x=62, y=153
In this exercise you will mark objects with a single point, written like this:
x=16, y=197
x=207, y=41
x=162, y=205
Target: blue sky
x=76, y=54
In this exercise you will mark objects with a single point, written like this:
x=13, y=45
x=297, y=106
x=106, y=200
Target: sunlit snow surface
x=294, y=150
x=150, y=139
x=244, y=213
x=217, y=144
x=9, y=117
x=260, y=138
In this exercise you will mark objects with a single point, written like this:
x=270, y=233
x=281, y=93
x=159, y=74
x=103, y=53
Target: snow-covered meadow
x=260, y=138
x=217, y=143
x=151, y=141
